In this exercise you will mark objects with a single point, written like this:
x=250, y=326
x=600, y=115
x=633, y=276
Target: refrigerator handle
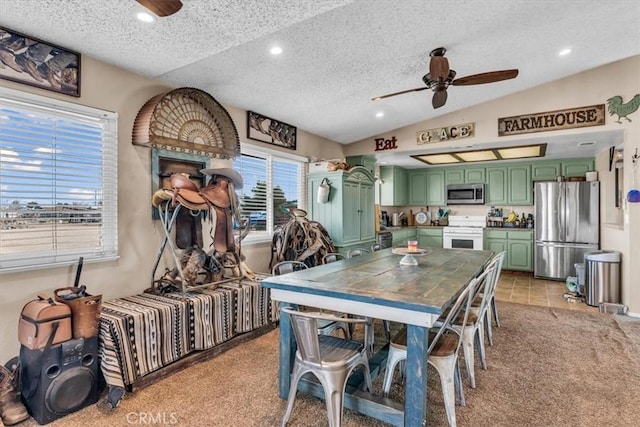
x=567, y=245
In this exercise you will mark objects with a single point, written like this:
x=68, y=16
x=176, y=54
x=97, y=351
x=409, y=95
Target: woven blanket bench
x=145, y=333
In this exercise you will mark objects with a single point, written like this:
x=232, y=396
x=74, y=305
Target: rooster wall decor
x=623, y=110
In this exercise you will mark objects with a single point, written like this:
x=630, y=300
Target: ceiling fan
x=162, y=7
x=440, y=77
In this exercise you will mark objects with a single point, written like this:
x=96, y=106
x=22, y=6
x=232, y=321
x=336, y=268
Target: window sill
x=25, y=268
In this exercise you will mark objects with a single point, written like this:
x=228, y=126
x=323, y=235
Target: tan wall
x=620, y=226
x=114, y=89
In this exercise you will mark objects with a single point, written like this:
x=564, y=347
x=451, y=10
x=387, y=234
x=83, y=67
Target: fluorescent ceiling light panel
x=437, y=159
x=477, y=156
x=520, y=152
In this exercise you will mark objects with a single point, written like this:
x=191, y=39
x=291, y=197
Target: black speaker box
x=61, y=379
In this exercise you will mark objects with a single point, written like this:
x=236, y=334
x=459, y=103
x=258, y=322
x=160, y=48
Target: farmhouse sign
x=445, y=134
x=592, y=115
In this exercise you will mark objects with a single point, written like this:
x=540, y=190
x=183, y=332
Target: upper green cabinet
x=393, y=187
x=436, y=188
x=417, y=180
x=454, y=176
x=577, y=167
x=520, y=189
x=549, y=170
x=496, y=188
x=466, y=175
x=509, y=185
x=474, y=175
x=545, y=171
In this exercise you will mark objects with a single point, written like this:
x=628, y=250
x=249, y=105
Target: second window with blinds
x=273, y=184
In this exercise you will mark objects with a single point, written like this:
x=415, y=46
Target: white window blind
x=58, y=182
x=273, y=184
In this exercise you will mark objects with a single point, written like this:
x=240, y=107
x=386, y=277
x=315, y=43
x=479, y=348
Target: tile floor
x=522, y=288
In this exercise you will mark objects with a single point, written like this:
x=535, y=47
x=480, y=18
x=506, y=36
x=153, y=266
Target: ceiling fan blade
x=439, y=98
x=439, y=68
x=162, y=7
x=482, y=78
x=418, y=89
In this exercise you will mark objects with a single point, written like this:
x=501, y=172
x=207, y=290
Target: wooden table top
x=378, y=278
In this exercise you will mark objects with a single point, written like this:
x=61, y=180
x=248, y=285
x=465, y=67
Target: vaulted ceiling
x=338, y=54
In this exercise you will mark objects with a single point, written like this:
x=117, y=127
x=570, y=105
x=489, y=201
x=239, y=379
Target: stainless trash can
x=385, y=238
x=602, y=277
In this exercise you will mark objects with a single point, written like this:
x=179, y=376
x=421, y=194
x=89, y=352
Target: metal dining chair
x=325, y=327
x=498, y=260
x=329, y=358
x=377, y=247
x=443, y=350
x=357, y=252
x=332, y=257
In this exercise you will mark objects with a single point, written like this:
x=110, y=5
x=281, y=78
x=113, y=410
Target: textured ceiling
x=338, y=54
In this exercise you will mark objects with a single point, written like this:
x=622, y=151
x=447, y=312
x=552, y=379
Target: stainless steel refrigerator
x=567, y=217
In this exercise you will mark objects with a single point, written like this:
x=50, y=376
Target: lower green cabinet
x=401, y=236
x=429, y=237
x=518, y=245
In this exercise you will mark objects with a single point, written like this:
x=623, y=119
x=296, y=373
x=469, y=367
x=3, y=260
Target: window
x=58, y=178
x=273, y=184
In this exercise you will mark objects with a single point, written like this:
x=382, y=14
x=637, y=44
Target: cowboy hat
x=224, y=167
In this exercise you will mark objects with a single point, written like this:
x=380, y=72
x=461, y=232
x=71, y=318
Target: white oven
x=464, y=232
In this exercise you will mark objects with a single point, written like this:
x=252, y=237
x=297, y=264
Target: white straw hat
x=224, y=167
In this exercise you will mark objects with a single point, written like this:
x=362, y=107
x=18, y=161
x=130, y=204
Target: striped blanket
x=142, y=333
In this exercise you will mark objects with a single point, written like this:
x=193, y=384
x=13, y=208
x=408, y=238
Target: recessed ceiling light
x=585, y=143
x=380, y=114
x=564, y=52
x=276, y=50
x=145, y=17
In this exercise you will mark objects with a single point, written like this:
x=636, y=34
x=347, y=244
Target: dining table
x=379, y=286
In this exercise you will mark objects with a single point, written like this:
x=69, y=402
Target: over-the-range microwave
x=465, y=194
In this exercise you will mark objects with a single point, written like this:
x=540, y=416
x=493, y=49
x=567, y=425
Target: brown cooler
x=37, y=320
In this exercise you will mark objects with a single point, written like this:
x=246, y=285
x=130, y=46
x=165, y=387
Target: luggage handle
x=45, y=297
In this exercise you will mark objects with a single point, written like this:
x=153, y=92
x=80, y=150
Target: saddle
x=214, y=198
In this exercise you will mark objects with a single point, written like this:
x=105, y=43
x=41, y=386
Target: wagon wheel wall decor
x=187, y=120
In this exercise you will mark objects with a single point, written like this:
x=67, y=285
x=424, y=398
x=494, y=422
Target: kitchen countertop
x=392, y=229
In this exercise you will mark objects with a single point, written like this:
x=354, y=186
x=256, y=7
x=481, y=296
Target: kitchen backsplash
x=480, y=210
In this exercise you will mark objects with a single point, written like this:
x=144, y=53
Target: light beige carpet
x=548, y=367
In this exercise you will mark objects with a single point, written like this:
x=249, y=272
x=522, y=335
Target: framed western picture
x=25, y=59
x=271, y=131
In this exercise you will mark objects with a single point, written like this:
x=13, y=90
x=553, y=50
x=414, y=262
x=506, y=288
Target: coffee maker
x=384, y=219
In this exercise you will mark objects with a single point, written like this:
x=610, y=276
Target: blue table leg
x=287, y=354
x=415, y=412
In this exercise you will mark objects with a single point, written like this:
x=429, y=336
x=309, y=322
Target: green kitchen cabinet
x=429, y=237
x=393, y=187
x=577, y=167
x=474, y=175
x=400, y=236
x=517, y=244
x=349, y=214
x=436, y=188
x=454, y=176
x=520, y=188
x=417, y=183
x=496, y=190
x=464, y=175
x=545, y=171
x=509, y=185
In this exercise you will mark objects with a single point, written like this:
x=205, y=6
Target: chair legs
x=333, y=384
x=494, y=309
x=395, y=355
x=447, y=367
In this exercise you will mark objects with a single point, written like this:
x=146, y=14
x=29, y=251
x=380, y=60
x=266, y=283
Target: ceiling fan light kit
x=440, y=77
x=162, y=8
